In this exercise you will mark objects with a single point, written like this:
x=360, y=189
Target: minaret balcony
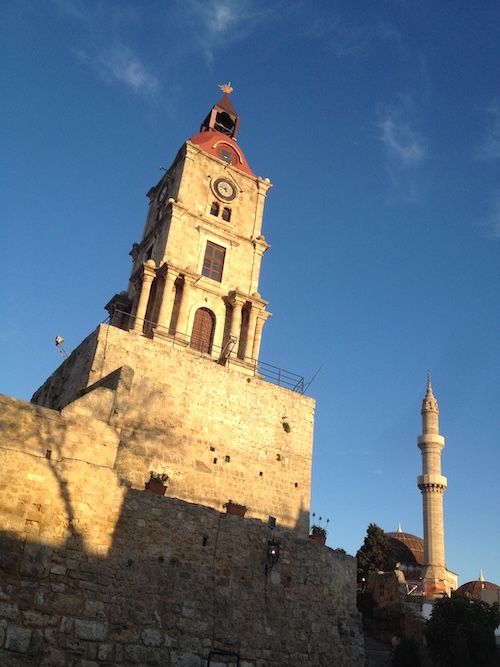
x=430, y=482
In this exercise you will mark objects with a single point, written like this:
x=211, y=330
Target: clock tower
x=195, y=273
x=176, y=372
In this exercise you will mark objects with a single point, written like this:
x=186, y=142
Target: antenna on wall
x=62, y=350
x=313, y=377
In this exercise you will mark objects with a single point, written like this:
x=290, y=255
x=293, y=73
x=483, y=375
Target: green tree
x=377, y=553
x=460, y=632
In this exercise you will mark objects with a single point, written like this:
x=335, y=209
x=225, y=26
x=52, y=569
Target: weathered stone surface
x=93, y=630
x=17, y=639
x=114, y=574
x=160, y=611
x=36, y=560
x=53, y=657
x=165, y=426
x=185, y=659
x=151, y=638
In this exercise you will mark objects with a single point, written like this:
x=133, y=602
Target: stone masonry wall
x=95, y=572
x=219, y=434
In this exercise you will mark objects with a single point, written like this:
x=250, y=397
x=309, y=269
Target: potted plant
x=156, y=483
x=318, y=533
x=234, y=508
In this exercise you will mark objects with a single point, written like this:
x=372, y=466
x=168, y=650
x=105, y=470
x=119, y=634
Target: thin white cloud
x=348, y=38
x=214, y=24
x=402, y=143
x=223, y=17
x=490, y=148
x=404, y=148
x=120, y=64
x=114, y=64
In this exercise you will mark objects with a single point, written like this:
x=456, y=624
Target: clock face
x=162, y=194
x=225, y=189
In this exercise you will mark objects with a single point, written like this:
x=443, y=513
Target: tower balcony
x=224, y=356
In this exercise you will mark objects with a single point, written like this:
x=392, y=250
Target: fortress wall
x=218, y=433
x=94, y=572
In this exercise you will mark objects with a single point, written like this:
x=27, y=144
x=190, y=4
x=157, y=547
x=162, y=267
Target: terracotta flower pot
x=318, y=539
x=156, y=488
x=234, y=508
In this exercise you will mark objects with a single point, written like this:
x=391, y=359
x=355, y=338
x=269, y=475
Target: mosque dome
x=473, y=589
x=409, y=548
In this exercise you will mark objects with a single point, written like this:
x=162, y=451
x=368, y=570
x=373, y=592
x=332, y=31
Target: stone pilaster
x=167, y=302
x=148, y=275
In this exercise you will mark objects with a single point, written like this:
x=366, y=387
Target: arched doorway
x=203, y=331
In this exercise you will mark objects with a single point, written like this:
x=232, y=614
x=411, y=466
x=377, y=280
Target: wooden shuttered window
x=213, y=262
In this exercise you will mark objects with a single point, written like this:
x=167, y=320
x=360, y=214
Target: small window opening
x=261, y=474
x=212, y=449
x=214, y=209
x=149, y=252
x=205, y=540
x=215, y=461
x=48, y=453
x=228, y=459
x=296, y=485
x=226, y=214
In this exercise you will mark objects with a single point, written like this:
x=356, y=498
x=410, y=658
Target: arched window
x=226, y=214
x=214, y=209
x=203, y=331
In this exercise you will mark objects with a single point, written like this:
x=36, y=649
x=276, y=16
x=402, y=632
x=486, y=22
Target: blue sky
x=378, y=124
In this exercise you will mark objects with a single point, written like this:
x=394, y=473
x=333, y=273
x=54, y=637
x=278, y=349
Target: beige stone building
x=95, y=568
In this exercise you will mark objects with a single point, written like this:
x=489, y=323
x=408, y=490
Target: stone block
x=53, y=657
x=135, y=654
x=17, y=639
x=105, y=652
x=150, y=637
x=36, y=560
x=182, y=659
x=91, y=630
x=9, y=610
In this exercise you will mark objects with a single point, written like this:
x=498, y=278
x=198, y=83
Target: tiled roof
x=409, y=548
x=472, y=589
x=211, y=142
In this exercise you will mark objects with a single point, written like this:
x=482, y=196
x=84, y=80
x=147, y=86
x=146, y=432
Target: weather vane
x=226, y=87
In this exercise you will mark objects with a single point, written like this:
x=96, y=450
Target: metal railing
x=225, y=355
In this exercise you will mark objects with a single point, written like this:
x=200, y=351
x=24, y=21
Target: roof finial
x=399, y=527
x=226, y=87
x=429, y=385
x=481, y=578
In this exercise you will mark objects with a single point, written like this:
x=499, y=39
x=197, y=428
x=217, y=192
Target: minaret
x=433, y=485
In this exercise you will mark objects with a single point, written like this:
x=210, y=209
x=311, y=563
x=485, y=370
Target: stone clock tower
x=176, y=371
x=195, y=273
